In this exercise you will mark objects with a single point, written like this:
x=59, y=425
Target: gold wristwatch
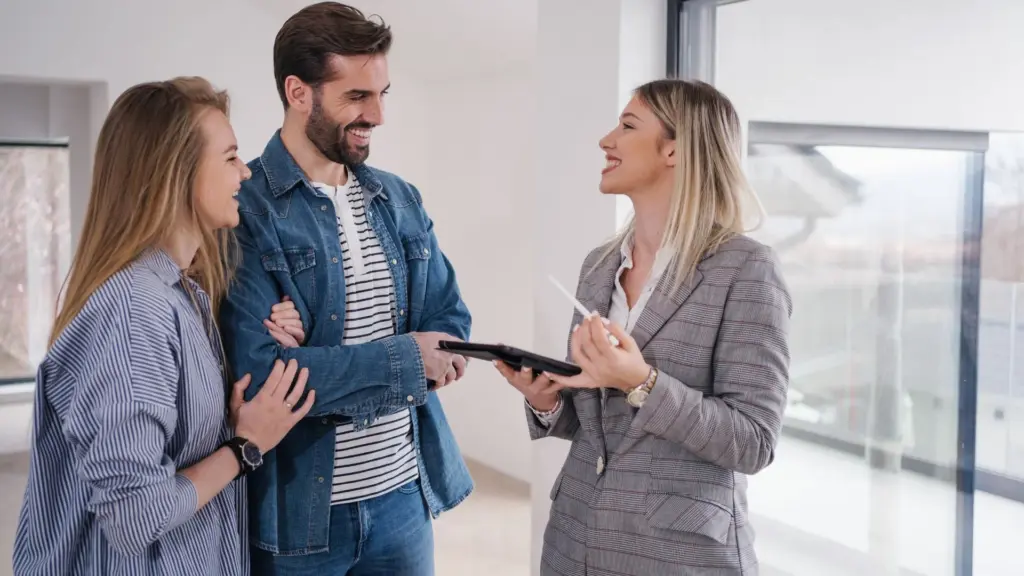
x=637, y=396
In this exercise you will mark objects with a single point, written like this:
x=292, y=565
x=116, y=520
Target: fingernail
x=606, y=321
x=575, y=328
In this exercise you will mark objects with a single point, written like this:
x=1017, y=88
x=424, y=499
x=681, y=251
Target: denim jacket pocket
x=300, y=264
x=417, y=262
x=417, y=247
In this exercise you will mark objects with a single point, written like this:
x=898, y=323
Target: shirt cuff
x=549, y=417
x=408, y=374
x=185, y=502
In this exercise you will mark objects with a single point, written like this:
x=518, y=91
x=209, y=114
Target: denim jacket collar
x=283, y=173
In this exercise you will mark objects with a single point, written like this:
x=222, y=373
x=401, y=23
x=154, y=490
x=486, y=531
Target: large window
x=871, y=227
x=35, y=250
x=903, y=439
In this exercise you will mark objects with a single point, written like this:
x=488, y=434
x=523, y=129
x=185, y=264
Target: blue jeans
x=390, y=535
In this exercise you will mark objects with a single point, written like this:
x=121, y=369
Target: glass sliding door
x=870, y=227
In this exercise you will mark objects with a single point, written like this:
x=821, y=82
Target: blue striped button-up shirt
x=130, y=394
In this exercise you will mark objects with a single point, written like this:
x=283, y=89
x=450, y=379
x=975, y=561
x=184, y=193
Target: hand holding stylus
x=583, y=309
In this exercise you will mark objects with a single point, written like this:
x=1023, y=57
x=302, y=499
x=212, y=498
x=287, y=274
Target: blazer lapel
x=595, y=289
x=662, y=306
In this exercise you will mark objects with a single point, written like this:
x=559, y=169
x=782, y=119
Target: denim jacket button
x=401, y=312
x=320, y=479
x=426, y=251
x=323, y=420
x=409, y=398
x=334, y=316
x=394, y=262
x=323, y=208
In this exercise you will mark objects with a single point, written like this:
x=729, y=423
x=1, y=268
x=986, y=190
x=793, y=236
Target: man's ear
x=299, y=94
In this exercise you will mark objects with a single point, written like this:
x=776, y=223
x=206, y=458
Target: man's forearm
x=352, y=380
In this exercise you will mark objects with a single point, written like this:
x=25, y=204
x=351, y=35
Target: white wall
x=481, y=141
x=24, y=111
x=229, y=42
x=913, y=63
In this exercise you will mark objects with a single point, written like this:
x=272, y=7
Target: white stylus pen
x=581, y=308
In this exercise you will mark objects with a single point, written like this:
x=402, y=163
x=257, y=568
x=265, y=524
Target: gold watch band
x=648, y=384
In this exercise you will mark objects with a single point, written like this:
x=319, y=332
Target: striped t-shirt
x=381, y=457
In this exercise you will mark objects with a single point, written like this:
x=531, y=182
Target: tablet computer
x=514, y=357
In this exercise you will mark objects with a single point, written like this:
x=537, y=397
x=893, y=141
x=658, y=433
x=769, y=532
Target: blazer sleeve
x=738, y=426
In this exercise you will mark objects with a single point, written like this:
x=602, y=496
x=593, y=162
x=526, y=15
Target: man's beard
x=331, y=139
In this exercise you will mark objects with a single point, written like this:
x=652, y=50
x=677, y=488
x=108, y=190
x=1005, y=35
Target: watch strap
x=236, y=445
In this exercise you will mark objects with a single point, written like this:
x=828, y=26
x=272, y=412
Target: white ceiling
x=448, y=38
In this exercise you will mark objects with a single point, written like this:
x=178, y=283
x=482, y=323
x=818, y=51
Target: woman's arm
x=739, y=426
x=211, y=475
x=126, y=412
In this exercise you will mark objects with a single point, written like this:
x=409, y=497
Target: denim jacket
x=289, y=244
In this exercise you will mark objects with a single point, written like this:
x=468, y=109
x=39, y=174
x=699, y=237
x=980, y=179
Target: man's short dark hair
x=312, y=35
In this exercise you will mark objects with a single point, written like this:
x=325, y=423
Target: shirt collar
x=661, y=260
x=283, y=173
x=163, y=265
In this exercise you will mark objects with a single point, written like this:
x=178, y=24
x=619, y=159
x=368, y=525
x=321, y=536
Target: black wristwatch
x=248, y=454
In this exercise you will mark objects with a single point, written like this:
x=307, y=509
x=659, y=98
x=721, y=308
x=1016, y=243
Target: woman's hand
x=285, y=325
x=604, y=365
x=266, y=418
x=540, y=392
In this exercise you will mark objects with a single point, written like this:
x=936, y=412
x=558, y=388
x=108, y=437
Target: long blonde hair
x=147, y=158
x=711, y=192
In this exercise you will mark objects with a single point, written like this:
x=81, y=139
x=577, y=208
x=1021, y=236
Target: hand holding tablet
x=512, y=356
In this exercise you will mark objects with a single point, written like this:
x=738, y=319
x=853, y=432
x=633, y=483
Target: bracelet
x=558, y=404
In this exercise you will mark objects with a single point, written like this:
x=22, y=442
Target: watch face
x=637, y=397
x=252, y=454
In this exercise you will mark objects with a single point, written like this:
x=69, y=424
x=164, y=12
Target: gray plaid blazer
x=662, y=490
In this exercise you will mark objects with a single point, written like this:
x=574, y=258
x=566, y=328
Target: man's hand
x=439, y=365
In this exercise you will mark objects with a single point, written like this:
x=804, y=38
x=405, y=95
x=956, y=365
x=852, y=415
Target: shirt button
x=409, y=398
x=323, y=208
x=600, y=465
x=334, y=316
x=335, y=259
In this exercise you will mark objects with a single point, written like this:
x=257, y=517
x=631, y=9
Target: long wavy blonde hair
x=147, y=158
x=711, y=195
